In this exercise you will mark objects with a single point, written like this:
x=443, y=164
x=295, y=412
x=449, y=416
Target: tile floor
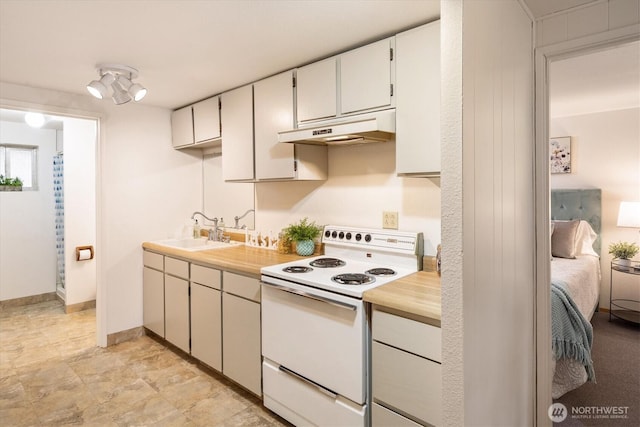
x=51, y=373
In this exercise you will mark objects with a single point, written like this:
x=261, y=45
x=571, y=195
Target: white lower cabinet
x=176, y=309
x=242, y=359
x=406, y=373
x=206, y=316
x=153, y=300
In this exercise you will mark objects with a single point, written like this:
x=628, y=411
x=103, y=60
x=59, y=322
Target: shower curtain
x=58, y=194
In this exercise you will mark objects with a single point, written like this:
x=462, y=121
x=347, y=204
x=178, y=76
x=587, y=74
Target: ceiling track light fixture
x=119, y=78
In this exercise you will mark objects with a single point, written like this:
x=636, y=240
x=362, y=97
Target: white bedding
x=582, y=277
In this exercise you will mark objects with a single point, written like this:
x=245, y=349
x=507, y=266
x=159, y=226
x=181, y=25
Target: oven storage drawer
x=401, y=332
x=320, y=336
x=407, y=383
x=383, y=417
x=302, y=403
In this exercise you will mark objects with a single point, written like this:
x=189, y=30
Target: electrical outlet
x=390, y=220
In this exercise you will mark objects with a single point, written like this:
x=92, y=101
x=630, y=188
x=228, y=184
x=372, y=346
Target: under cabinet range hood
x=379, y=126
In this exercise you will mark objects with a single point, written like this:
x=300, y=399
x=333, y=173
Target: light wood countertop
x=242, y=259
x=416, y=296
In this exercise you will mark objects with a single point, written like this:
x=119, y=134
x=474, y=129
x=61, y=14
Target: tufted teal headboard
x=583, y=204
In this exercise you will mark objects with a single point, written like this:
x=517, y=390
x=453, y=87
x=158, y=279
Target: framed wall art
x=560, y=155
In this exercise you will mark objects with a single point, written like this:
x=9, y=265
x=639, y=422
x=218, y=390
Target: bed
x=575, y=284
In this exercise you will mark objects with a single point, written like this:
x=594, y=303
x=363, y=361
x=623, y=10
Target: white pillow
x=585, y=237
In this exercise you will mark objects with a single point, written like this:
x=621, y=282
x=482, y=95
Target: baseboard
x=72, y=308
x=122, y=336
x=32, y=299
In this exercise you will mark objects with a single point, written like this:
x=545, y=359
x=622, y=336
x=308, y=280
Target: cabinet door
x=316, y=90
x=273, y=101
x=153, y=300
x=182, y=127
x=206, y=325
x=176, y=310
x=237, y=134
x=241, y=342
x=418, y=100
x=365, y=77
x=206, y=120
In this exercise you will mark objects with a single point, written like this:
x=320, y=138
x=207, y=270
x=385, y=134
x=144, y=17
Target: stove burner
x=353, y=279
x=381, y=271
x=297, y=269
x=327, y=263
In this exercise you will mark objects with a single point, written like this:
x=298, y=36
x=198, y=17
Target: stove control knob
x=358, y=237
x=341, y=235
x=327, y=234
x=348, y=236
x=367, y=238
x=334, y=234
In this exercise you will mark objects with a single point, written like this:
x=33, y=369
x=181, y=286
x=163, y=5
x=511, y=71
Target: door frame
x=544, y=56
x=101, y=300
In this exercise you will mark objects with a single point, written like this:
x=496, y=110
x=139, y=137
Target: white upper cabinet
x=418, y=101
x=206, y=120
x=273, y=112
x=273, y=102
x=316, y=90
x=197, y=125
x=182, y=127
x=365, y=77
x=354, y=81
x=237, y=134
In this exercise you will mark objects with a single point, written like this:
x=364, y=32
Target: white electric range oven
x=315, y=338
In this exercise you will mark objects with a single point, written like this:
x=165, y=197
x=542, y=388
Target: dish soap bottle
x=196, y=230
x=221, y=223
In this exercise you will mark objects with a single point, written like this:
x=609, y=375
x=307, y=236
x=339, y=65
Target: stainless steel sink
x=196, y=244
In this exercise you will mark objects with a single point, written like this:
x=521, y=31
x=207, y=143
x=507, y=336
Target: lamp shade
x=629, y=214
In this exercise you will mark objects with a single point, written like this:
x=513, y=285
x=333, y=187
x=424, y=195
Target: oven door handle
x=313, y=297
x=323, y=390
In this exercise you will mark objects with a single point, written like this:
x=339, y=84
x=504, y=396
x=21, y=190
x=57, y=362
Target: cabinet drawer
x=206, y=276
x=406, y=382
x=153, y=260
x=401, y=332
x=242, y=286
x=176, y=267
x=383, y=417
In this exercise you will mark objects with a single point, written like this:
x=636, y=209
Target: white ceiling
x=187, y=50
x=600, y=81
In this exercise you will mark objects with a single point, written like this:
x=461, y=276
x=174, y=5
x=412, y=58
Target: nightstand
x=619, y=307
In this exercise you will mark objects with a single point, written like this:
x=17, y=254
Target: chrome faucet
x=213, y=233
x=238, y=218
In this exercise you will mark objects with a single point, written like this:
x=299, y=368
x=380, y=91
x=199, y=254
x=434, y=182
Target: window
x=20, y=161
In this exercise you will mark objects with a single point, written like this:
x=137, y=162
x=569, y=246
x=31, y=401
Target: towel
x=571, y=333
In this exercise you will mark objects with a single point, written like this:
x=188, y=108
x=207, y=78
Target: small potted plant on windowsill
x=623, y=252
x=10, y=184
x=302, y=234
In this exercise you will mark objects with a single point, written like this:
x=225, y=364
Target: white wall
x=80, y=139
x=362, y=184
x=225, y=199
x=488, y=311
x=27, y=229
x=605, y=154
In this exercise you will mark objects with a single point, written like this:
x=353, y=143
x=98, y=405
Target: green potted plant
x=10, y=184
x=623, y=252
x=303, y=234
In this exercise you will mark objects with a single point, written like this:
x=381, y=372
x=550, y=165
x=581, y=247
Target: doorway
x=545, y=59
x=39, y=241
